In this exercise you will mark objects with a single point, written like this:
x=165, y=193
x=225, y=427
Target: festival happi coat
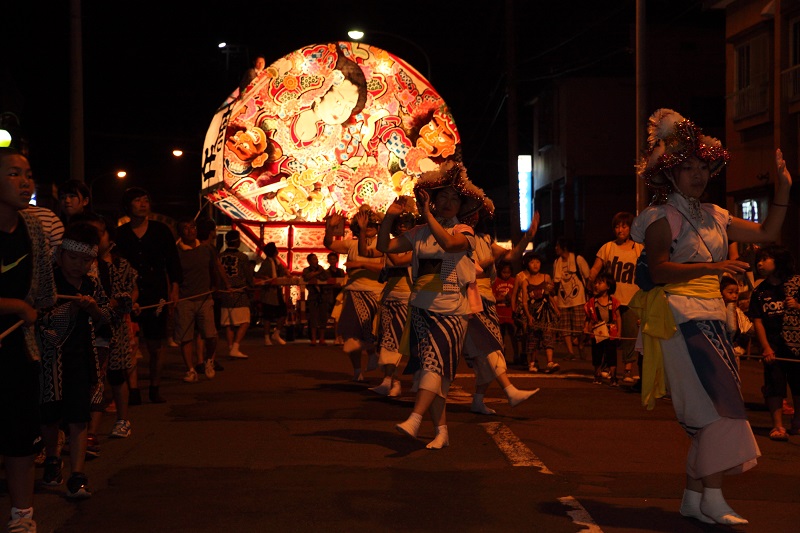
x=329, y=126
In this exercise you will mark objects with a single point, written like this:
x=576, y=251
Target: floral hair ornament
x=671, y=140
x=71, y=245
x=453, y=174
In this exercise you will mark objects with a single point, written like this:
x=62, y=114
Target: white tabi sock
x=690, y=506
x=442, y=439
x=516, y=396
x=17, y=513
x=384, y=388
x=411, y=426
x=479, y=407
x=713, y=505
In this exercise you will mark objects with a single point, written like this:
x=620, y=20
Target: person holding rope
x=26, y=288
x=71, y=377
x=194, y=309
x=149, y=246
x=771, y=302
x=235, y=305
x=683, y=314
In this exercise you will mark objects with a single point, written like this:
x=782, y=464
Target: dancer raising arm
x=686, y=245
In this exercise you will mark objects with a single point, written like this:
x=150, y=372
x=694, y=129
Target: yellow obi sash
x=658, y=322
x=428, y=283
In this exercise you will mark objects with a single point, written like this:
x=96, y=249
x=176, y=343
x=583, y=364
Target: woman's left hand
x=784, y=177
x=534, y=225
x=362, y=219
x=396, y=207
x=423, y=202
x=791, y=303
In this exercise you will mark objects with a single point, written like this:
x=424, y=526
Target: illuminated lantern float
x=329, y=126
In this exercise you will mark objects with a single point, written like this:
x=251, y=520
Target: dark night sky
x=153, y=74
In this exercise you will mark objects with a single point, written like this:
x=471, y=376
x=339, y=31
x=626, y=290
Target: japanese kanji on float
x=329, y=126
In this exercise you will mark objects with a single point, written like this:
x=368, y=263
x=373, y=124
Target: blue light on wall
x=524, y=169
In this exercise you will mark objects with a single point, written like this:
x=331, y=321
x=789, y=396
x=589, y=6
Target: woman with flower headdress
x=393, y=300
x=362, y=291
x=442, y=273
x=682, y=311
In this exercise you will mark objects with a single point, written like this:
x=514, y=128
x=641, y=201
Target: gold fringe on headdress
x=672, y=139
x=454, y=174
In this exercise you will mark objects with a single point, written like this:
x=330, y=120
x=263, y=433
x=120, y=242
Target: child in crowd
x=113, y=340
x=70, y=366
x=570, y=272
x=769, y=304
x=26, y=288
x=603, y=324
x=520, y=320
x=75, y=199
x=540, y=311
x=503, y=288
x=316, y=308
x=235, y=305
x=740, y=328
x=619, y=258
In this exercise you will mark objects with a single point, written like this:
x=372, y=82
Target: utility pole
x=641, y=100
x=512, y=119
x=77, y=169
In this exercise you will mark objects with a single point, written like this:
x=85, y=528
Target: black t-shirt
x=767, y=304
x=155, y=258
x=16, y=267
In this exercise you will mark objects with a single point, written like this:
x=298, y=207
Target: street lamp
x=357, y=35
x=119, y=174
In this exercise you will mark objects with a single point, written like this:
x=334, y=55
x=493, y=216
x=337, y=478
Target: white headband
x=79, y=247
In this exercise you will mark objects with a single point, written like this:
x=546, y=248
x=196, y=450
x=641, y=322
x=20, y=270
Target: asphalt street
x=284, y=441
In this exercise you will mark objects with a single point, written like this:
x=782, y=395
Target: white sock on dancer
x=411, y=426
x=441, y=440
x=690, y=506
x=713, y=505
x=384, y=388
x=479, y=407
x=516, y=396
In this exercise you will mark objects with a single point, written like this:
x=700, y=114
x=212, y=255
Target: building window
x=751, y=94
x=791, y=76
x=750, y=211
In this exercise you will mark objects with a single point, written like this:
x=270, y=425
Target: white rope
x=10, y=330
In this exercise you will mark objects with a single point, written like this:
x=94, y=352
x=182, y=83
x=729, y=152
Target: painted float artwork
x=328, y=127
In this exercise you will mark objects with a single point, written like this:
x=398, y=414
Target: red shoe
x=787, y=409
x=92, y=446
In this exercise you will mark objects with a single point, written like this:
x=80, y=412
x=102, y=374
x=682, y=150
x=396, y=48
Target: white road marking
x=520, y=455
x=580, y=516
x=557, y=375
x=513, y=448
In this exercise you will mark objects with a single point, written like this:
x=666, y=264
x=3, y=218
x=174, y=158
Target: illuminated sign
x=524, y=172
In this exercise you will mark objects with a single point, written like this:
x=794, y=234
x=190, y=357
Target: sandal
x=778, y=434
